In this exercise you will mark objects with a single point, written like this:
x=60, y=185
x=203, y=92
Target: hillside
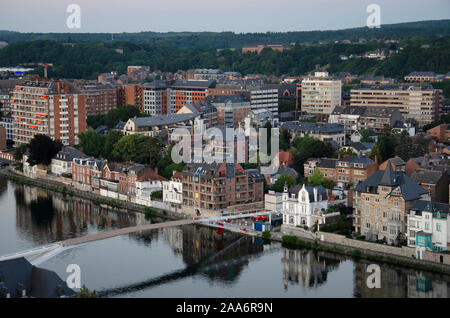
x=215, y=40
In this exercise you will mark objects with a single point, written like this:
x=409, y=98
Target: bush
x=361, y=238
x=85, y=293
x=356, y=254
x=266, y=234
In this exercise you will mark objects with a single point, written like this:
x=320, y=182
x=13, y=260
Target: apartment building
x=421, y=103
x=55, y=109
x=351, y=169
x=134, y=95
x=231, y=109
x=374, y=118
x=99, y=98
x=428, y=227
x=187, y=92
x=263, y=97
x=162, y=98
x=217, y=186
x=7, y=123
x=320, y=94
x=381, y=203
x=155, y=98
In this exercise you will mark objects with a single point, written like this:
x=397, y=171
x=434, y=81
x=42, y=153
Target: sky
x=241, y=16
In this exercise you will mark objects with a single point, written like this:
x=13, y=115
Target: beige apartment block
x=421, y=103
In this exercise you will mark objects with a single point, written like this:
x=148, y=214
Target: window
x=438, y=227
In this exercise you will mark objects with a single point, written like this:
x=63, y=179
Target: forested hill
x=216, y=40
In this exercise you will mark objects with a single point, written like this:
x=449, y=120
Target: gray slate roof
x=426, y=176
x=410, y=190
x=162, y=120
x=321, y=192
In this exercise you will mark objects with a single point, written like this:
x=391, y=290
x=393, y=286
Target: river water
x=187, y=261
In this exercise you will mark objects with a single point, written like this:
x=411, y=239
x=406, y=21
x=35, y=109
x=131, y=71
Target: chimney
x=59, y=87
x=376, y=159
x=156, y=170
x=339, y=156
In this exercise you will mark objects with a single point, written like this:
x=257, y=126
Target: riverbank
x=96, y=198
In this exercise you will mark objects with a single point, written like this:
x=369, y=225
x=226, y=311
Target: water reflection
x=399, y=282
x=44, y=216
x=307, y=268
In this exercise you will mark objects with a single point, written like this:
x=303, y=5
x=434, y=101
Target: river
x=187, y=261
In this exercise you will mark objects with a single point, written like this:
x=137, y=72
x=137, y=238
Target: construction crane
x=45, y=65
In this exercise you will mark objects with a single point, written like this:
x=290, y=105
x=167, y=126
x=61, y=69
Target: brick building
x=53, y=108
x=217, y=186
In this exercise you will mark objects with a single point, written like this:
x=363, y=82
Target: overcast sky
x=211, y=15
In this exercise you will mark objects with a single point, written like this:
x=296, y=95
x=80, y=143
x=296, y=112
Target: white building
x=146, y=186
x=273, y=201
x=428, y=226
x=62, y=163
x=173, y=189
x=262, y=97
x=303, y=205
x=320, y=94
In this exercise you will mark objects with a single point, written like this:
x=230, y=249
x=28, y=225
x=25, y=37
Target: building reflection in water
x=3, y=185
x=44, y=216
x=216, y=256
x=307, y=268
x=399, y=282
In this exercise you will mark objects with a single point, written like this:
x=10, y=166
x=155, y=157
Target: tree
x=139, y=149
x=365, y=137
x=42, y=149
x=405, y=148
x=386, y=144
x=316, y=178
x=278, y=186
x=85, y=293
x=308, y=147
x=112, y=138
x=375, y=154
x=19, y=151
x=284, y=139
x=92, y=143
